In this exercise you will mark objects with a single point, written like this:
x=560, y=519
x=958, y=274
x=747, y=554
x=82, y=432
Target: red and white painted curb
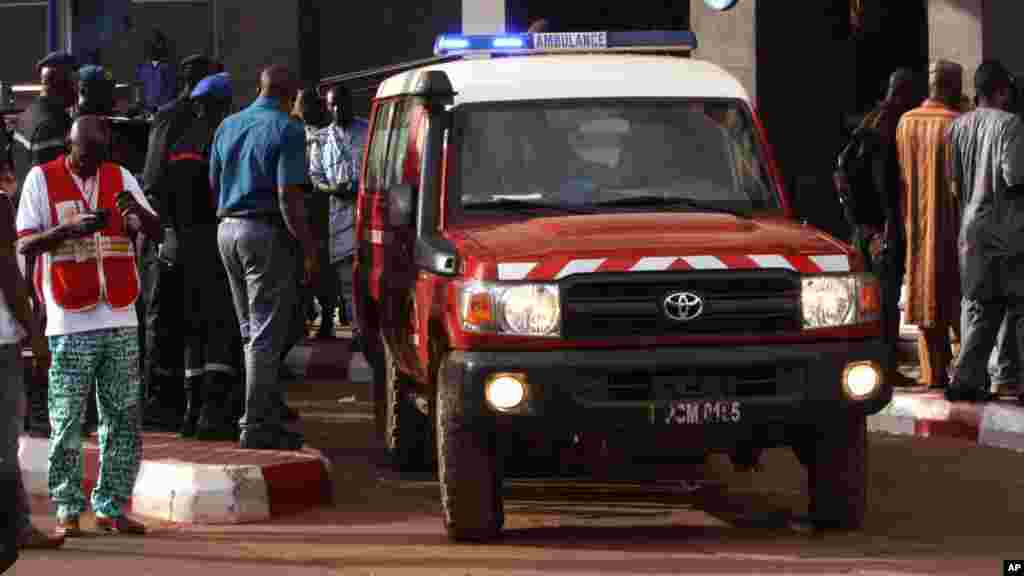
x=189, y=493
x=558, y=267
x=929, y=415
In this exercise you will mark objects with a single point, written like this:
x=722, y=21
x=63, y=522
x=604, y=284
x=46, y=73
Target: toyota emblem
x=683, y=306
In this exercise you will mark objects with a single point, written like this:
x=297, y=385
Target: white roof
x=558, y=76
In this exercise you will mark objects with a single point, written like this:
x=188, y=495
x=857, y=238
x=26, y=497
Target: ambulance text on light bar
x=640, y=41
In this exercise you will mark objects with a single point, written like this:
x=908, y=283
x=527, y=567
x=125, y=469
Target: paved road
x=938, y=507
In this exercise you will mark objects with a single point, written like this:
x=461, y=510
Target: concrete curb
x=929, y=415
x=189, y=493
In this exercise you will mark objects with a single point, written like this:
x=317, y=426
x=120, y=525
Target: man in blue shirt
x=257, y=170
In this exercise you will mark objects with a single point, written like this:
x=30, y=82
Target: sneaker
x=68, y=527
x=120, y=525
x=281, y=440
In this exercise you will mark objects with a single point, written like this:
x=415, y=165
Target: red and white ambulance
x=580, y=239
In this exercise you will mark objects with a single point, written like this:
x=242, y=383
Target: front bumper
x=625, y=389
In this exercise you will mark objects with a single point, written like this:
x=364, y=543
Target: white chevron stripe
x=771, y=261
x=833, y=263
x=705, y=263
x=580, y=267
x=653, y=264
x=515, y=270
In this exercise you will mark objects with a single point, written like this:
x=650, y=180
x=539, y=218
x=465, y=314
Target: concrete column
x=956, y=32
x=728, y=39
x=483, y=16
x=250, y=39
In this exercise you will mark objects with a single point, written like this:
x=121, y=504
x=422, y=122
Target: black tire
x=406, y=428
x=837, y=473
x=468, y=469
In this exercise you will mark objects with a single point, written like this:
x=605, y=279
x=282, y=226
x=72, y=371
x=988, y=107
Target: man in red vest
x=78, y=212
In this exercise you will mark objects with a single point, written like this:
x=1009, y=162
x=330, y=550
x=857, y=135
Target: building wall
x=728, y=39
x=24, y=39
x=955, y=32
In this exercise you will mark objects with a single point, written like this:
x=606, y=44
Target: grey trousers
x=983, y=324
x=12, y=405
x=1004, y=363
x=259, y=258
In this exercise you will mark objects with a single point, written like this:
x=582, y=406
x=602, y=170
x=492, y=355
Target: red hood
x=618, y=242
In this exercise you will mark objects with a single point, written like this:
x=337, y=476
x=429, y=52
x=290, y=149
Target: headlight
x=516, y=309
x=839, y=300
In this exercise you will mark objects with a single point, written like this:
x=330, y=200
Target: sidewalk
x=190, y=482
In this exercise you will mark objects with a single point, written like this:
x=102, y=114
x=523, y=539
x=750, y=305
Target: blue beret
x=90, y=74
x=217, y=86
x=58, y=59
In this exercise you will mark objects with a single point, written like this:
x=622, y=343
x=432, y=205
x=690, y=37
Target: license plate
x=704, y=412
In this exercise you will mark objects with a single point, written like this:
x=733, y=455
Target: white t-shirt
x=34, y=217
x=10, y=331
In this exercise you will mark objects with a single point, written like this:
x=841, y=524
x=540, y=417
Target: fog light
x=861, y=379
x=506, y=391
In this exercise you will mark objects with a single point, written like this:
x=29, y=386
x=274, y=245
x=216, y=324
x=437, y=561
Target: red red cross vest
x=101, y=267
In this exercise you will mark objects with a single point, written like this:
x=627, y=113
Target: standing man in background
x=156, y=76
x=40, y=136
x=931, y=213
x=210, y=326
x=988, y=171
x=257, y=169
x=163, y=350
x=868, y=178
x=335, y=167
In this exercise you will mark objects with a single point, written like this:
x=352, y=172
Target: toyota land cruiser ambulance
x=581, y=237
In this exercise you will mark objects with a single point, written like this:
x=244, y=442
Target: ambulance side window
x=376, y=161
x=403, y=157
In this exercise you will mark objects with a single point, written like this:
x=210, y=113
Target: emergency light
x=635, y=41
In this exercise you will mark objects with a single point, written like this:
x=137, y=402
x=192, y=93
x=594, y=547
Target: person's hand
x=127, y=204
x=841, y=183
x=310, y=267
x=83, y=224
x=40, y=354
x=875, y=245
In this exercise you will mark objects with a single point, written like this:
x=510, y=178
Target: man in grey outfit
x=987, y=165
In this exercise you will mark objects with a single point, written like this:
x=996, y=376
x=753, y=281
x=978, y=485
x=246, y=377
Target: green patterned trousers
x=110, y=360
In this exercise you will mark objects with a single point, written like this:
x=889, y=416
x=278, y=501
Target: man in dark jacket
x=211, y=332
x=875, y=210
x=162, y=283
x=39, y=137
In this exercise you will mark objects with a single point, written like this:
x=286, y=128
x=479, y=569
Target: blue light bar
x=635, y=41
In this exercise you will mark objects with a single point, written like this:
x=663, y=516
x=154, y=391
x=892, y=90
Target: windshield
x=605, y=157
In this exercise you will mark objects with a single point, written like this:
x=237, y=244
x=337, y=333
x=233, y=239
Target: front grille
x=736, y=302
x=741, y=381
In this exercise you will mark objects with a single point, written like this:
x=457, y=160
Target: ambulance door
x=371, y=247
x=400, y=273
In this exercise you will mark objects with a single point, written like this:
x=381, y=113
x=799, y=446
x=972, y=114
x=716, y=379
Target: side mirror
x=401, y=199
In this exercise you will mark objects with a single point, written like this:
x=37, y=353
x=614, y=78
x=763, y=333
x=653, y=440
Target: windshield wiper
x=524, y=206
x=640, y=201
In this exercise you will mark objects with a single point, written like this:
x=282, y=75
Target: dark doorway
x=600, y=15
x=892, y=35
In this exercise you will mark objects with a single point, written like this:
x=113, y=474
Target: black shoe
x=288, y=414
x=215, y=423
x=193, y=406
x=259, y=440
x=972, y=395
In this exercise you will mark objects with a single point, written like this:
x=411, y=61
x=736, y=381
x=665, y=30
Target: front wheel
x=405, y=428
x=836, y=460
x=468, y=468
